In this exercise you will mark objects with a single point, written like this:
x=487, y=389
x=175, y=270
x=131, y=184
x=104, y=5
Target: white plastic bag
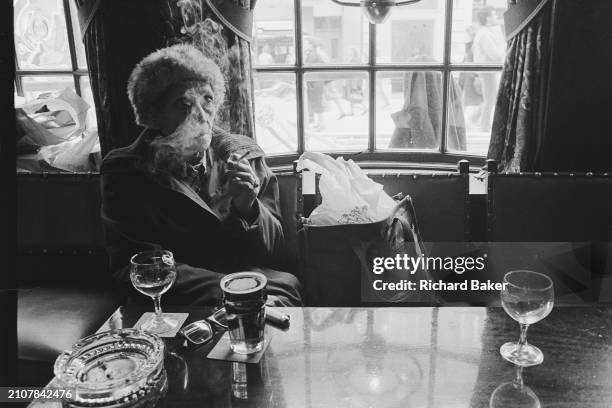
x=348, y=195
x=56, y=126
x=72, y=155
x=64, y=118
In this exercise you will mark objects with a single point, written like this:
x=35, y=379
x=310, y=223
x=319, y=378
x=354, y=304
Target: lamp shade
x=377, y=11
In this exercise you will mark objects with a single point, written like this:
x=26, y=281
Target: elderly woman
x=190, y=188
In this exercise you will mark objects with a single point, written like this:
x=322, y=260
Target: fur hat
x=167, y=67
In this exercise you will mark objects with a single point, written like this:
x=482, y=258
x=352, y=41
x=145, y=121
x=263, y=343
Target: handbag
x=336, y=261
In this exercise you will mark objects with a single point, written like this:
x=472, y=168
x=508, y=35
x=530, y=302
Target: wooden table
x=397, y=357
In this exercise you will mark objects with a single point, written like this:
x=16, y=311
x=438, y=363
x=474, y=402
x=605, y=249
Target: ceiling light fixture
x=377, y=11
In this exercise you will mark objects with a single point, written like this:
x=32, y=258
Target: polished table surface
x=397, y=357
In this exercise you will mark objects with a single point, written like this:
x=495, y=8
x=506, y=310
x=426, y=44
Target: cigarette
x=245, y=154
x=277, y=318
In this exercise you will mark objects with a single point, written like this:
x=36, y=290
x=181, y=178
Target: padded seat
x=50, y=320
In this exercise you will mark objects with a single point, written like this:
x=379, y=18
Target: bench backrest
x=59, y=226
x=441, y=201
x=560, y=224
x=59, y=233
x=544, y=207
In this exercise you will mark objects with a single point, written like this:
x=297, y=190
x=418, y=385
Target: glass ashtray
x=117, y=368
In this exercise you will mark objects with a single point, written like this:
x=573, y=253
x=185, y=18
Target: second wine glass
x=527, y=297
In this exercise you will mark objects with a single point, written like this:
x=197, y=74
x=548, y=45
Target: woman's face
x=197, y=100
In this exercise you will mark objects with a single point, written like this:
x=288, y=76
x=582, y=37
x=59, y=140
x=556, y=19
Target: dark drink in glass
x=244, y=298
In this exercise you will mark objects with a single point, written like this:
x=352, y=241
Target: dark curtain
x=118, y=34
x=517, y=132
x=577, y=130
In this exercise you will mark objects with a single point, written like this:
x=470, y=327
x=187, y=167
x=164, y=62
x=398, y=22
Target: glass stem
x=518, y=381
x=158, y=310
x=523, y=339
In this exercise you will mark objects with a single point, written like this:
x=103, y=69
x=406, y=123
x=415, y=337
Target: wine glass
x=514, y=394
x=528, y=298
x=152, y=274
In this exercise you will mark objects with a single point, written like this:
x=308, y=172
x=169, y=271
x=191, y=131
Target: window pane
x=78, y=41
x=333, y=34
x=274, y=35
x=275, y=112
x=41, y=40
x=471, y=105
x=88, y=96
x=478, y=32
x=336, y=111
x=413, y=33
x=408, y=110
x=34, y=86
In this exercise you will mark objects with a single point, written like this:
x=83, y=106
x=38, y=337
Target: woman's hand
x=243, y=184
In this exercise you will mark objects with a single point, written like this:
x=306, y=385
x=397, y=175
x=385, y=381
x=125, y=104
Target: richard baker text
x=430, y=285
x=411, y=265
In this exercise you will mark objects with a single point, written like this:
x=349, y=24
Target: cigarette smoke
x=185, y=147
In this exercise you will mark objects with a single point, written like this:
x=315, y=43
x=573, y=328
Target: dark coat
x=142, y=211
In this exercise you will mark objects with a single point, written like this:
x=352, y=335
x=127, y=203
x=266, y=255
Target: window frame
x=373, y=156
x=76, y=72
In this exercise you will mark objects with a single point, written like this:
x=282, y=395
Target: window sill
x=425, y=162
